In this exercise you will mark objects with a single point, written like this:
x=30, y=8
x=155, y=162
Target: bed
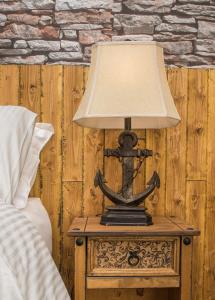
x=27, y=270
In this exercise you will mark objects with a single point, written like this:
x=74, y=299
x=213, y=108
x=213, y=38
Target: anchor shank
x=127, y=164
x=127, y=177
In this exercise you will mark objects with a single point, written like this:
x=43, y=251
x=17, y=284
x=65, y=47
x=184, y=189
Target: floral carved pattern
x=112, y=254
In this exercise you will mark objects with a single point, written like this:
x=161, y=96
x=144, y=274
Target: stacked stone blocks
x=63, y=31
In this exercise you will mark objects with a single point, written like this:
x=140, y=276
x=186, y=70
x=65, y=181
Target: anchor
x=126, y=211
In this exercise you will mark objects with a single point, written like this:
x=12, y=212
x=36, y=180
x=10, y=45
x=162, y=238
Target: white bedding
x=9, y=289
x=37, y=214
x=17, y=125
x=27, y=270
x=41, y=135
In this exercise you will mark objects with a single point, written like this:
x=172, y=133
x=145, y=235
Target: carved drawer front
x=133, y=256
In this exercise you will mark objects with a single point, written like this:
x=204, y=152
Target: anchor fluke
x=118, y=198
x=154, y=180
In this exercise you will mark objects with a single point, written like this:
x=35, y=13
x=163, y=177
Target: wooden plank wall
x=184, y=157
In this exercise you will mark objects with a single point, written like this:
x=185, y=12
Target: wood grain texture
x=186, y=269
x=93, y=160
x=209, y=267
x=73, y=134
x=30, y=88
x=72, y=206
x=197, y=124
x=9, y=85
x=116, y=282
x=51, y=159
x=80, y=259
x=30, y=96
x=196, y=194
x=127, y=294
x=163, y=226
x=156, y=141
x=112, y=170
x=68, y=164
x=72, y=149
x=176, y=147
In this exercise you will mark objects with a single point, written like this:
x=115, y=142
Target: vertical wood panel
x=197, y=169
x=112, y=166
x=92, y=161
x=30, y=92
x=51, y=161
x=9, y=85
x=176, y=146
x=73, y=134
x=72, y=166
x=197, y=125
x=196, y=199
x=72, y=200
x=30, y=88
x=156, y=141
x=186, y=270
x=184, y=158
x=209, y=269
x=80, y=260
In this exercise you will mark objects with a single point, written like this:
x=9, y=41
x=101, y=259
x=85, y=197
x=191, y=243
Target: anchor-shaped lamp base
x=126, y=211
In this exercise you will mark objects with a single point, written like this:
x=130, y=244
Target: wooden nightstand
x=156, y=256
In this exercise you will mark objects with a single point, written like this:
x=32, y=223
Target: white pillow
x=16, y=129
x=41, y=135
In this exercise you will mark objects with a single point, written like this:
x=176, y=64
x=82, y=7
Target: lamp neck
x=127, y=123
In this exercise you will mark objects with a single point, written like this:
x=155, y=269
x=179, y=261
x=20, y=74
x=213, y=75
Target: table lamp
x=127, y=89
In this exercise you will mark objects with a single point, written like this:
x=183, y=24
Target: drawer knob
x=187, y=241
x=79, y=242
x=133, y=258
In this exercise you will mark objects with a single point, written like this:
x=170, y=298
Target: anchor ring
x=133, y=139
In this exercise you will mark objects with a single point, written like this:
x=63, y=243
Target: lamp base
x=126, y=216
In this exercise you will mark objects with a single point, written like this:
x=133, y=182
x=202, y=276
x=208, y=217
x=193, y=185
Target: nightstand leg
x=186, y=268
x=80, y=268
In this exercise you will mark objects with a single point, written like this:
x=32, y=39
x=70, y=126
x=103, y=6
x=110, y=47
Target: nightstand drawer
x=132, y=256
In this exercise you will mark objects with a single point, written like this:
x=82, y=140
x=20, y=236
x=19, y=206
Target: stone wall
x=62, y=31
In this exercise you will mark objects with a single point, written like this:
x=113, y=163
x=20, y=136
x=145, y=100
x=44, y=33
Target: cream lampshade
x=127, y=80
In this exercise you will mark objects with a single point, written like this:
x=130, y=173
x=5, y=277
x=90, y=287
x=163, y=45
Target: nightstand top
x=168, y=226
